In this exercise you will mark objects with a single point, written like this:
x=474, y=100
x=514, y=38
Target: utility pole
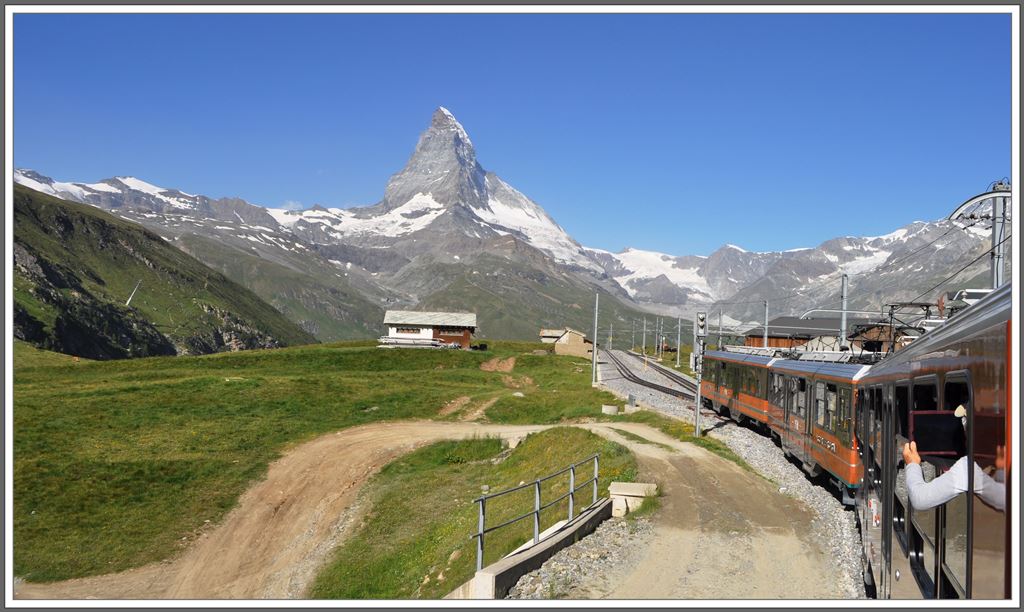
x=766, y=324
x=679, y=339
x=632, y=337
x=610, y=325
x=842, y=319
x=593, y=363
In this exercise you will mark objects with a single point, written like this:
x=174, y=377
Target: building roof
x=411, y=317
x=795, y=327
x=558, y=333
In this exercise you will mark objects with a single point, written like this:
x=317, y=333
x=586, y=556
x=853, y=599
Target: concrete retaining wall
x=495, y=580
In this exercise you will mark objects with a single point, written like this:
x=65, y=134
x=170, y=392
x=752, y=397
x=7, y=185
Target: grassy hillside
x=75, y=267
x=314, y=297
x=116, y=461
x=414, y=543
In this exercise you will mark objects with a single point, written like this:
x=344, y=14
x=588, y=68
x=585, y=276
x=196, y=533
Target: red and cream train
x=851, y=421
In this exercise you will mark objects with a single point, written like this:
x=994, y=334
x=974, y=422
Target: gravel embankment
x=588, y=567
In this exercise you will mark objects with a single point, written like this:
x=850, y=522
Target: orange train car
x=807, y=406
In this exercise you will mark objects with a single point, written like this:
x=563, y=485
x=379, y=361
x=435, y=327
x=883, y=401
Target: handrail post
x=536, y=511
x=480, y=537
x=572, y=486
x=595, y=480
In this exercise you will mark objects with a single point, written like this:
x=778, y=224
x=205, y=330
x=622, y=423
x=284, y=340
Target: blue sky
x=675, y=133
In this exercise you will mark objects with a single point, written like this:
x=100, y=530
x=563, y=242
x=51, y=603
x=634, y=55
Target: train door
x=902, y=585
x=887, y=466
x=869, y=498
x=796, y=415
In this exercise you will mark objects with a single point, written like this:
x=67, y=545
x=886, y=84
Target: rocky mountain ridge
x=444, y=218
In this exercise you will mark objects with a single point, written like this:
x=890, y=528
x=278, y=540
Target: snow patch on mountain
x=643, y=265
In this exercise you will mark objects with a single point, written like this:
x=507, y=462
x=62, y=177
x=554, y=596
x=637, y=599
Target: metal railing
x=538, y=506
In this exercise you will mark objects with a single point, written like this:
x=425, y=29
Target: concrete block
x=606, y=409
x=633, y=489
x=631, y=409
x=619, y=507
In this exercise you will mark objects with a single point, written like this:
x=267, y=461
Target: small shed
x=568, y=341
x=413, y=328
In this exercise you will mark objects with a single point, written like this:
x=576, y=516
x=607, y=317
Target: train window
x=956, y=392
x=776, y=390
x=876, y=429
x=820, y=414
x=843, y=413
x=925, y=396
x=902, y=421
x=830, y=407
x=801, y=398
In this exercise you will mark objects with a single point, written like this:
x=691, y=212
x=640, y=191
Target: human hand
x=910, y=453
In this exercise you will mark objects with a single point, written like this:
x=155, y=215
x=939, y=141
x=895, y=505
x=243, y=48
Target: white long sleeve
x=926, y=495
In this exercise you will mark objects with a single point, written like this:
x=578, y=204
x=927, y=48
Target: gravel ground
x=589, y=568
x=586, y=568
x=835, y=524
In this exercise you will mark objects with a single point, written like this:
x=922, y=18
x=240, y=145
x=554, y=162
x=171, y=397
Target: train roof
x=747, y=358
x=848, y=371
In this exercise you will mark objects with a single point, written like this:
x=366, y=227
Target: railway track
x=675, y=377
x=688, y=393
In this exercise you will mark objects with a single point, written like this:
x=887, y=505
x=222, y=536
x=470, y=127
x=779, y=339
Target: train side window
x=955, y=392
x=776, y=389
x=801, y=398
x=843, y=412
x=820, y=414
x=902, y=421
x=925, y=396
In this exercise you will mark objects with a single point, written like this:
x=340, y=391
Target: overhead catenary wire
x=968, y=265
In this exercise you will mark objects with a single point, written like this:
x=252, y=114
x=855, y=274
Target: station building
x=412, y=328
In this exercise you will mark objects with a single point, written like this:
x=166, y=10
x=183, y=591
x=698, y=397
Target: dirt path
x=721, y=533
x=284, y=527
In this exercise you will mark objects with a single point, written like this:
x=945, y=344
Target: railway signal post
x=700, y=331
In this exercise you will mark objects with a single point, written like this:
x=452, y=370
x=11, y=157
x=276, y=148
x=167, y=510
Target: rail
x=538, y=506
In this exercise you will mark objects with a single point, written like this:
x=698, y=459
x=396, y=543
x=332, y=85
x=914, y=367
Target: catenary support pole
x=632, y=337
x=643, y=346
x=719, y=347
x=593, y=363
x=842, y=319
x=766, y=324
x=679, y=339
x=998, y=233
x=698, y=349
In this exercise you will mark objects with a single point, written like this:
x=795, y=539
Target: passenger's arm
x=926, y=495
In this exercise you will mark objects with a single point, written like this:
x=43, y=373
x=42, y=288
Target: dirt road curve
x=283, y=528
x=722, y=532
